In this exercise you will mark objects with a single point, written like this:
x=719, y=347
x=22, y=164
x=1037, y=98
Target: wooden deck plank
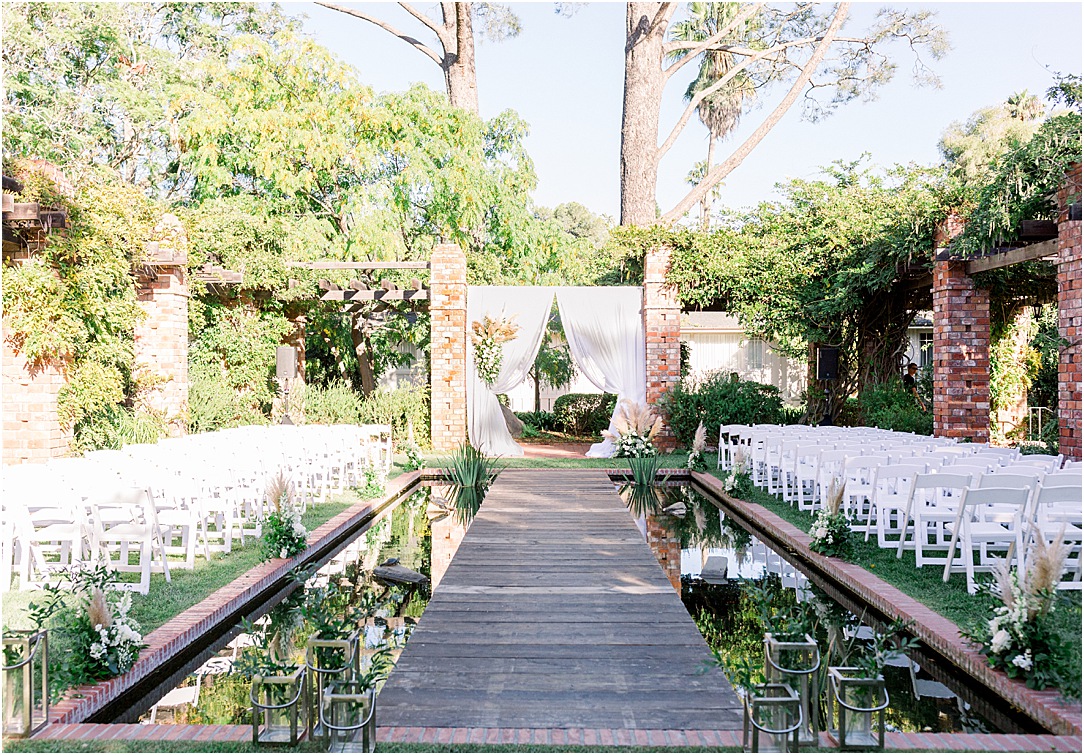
x=555, y=613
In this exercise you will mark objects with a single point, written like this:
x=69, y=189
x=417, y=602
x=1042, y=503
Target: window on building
x=754, y=354
x=925, y=349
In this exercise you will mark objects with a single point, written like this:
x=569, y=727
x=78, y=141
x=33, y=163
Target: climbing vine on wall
x=74, y=303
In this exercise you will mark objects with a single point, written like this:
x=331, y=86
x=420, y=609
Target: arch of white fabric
x=530, y=306
x=605, y=331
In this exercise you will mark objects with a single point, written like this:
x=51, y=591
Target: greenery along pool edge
x=950, y=599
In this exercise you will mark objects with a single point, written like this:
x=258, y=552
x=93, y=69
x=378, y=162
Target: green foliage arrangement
x=584, y=414
x=645, y=469
x=889, y=406
x=468, y=467
x=115, y=427
x=542, y=420
x=715, y=399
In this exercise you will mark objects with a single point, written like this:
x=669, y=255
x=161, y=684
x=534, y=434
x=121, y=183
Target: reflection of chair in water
x=177, y=698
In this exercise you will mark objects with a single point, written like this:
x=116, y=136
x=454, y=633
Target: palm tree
x=720, y=112
x=1024, y=106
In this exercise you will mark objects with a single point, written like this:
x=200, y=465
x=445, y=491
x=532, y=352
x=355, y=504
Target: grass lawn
x=188, y=586
x=950, y=599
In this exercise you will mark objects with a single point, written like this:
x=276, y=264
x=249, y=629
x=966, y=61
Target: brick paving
x=1047, y=707
x=647, y=739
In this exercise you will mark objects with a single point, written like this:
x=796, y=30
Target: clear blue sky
x=565, y=77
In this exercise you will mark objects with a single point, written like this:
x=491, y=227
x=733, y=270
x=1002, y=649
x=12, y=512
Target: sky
x=564, y=76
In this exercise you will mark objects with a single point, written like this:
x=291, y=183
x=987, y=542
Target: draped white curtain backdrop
x=605, y=331
x=531, y=307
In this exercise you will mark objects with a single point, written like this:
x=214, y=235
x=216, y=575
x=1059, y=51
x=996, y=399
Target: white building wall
x=752, y=359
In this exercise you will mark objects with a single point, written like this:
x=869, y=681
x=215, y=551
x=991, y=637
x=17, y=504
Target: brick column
x=161, y=342
x=1069, y=317
x=448, y=344
x=32, y=430
x=662, y=335
x=961, y=347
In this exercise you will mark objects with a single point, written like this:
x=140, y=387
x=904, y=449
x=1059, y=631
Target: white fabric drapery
x=605, y=331
x=530, y=305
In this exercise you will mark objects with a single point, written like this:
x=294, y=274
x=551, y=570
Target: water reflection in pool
x=382, y=581
x=714, y=562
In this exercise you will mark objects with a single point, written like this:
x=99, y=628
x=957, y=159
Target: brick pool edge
x=1046, y=707
x=170, y=639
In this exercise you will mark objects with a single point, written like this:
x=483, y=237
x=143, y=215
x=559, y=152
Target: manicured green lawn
x=187, y=586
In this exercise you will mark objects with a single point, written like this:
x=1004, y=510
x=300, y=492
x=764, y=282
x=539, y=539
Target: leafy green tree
x=822, y=265
x=972, y=147
x=553, y=367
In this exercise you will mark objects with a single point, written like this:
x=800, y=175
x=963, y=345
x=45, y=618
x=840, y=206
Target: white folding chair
x=1058, y=516
x=891, y=491
x=989, y=525
x=933, y=502
x=126, y=518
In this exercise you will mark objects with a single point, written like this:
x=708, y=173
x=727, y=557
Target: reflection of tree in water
x=330, y=606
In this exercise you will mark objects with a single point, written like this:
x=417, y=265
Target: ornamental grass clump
x=831, y=530
x=284, y=536
x=1021, y=638
x=696, y=461
x=488, y=337
x=470, y=468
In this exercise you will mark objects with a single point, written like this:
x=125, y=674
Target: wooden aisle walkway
x=554, y=613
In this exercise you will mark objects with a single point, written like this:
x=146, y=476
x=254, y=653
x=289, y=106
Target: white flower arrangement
x=637, y=427
x=284, y=535
x=696, y=462
x=831, y=529
x=488, y=337
x=113, y=638
x=1019, y=639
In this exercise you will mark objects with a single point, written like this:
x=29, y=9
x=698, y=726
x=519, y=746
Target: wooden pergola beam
x=377, y=294
x=408, y=265
x=1013, y=257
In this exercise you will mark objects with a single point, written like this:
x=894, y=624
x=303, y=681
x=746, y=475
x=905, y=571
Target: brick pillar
x=662, y=334
x=1069, y=318
x=32, y=430
x=161, y=337
x=961, y=347
x=448, y=345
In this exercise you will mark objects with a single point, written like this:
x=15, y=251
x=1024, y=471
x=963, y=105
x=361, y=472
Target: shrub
x=213, y=405
x=715, y=399
x=116, y=427
x=891, y=407
x=584, y=413
x=335, y=404
x=405, y=406
x=540, y=420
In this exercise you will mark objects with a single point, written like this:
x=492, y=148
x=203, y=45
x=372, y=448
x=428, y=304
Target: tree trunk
x=364, y=352
x=537, y=392
x=705, y=203
x=644, y=82
x=459, y=72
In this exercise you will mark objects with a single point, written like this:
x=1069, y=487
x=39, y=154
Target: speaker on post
x=827, y=362
x=286, y=363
